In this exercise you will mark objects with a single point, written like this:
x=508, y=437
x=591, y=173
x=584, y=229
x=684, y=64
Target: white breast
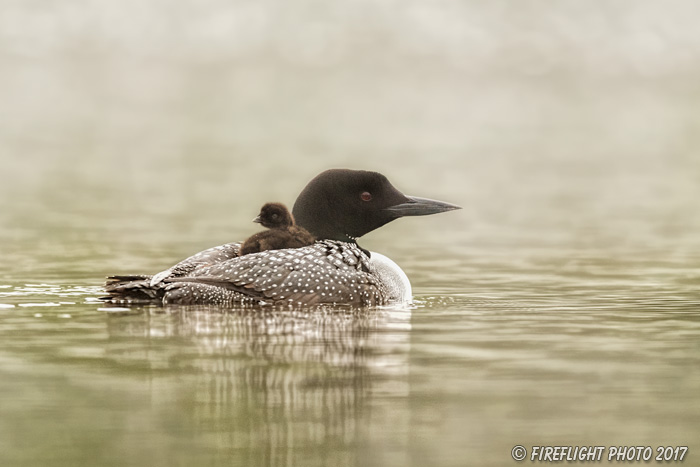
x=398, y=285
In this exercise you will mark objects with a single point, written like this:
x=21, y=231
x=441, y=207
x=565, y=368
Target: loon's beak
x=415, y=206
x=257, y=220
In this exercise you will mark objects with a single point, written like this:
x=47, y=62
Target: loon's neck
x=353, y=241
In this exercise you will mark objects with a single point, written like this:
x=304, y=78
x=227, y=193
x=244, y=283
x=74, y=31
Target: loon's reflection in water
x=264, y=383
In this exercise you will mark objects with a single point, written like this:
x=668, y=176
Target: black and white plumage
x=337, y=207
x=326, y=272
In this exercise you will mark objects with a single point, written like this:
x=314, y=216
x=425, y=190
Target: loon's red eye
x=366, y=196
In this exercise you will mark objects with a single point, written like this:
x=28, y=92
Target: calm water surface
x=559, y=307
x=530, y=343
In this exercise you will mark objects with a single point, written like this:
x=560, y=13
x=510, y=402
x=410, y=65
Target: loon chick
x=283, y=232
x=336, y=207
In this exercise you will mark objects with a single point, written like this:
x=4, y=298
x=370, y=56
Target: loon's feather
x=325, y=272
x=131, y=288
x=207, y=257
x=139, y=288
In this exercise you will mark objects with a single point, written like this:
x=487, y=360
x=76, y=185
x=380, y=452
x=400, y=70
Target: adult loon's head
x=274, y=216
x=343, y=204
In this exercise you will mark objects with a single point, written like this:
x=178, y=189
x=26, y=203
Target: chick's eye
x=275, y=216
x=366, y=196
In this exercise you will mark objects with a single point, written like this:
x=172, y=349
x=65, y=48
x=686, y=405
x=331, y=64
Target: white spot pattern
x=300, y=275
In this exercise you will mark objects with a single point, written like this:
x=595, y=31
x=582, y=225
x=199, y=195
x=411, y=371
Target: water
x=559, y=307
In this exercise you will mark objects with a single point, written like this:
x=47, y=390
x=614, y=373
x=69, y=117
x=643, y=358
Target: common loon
x=283, y=232
x=336, y=207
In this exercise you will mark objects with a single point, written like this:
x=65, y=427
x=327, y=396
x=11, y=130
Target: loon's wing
x=149, y=289
x=204, y=258
x=325, y=272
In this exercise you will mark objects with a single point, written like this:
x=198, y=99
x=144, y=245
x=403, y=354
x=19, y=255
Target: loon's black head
x=343, y=204
x=274, y=216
